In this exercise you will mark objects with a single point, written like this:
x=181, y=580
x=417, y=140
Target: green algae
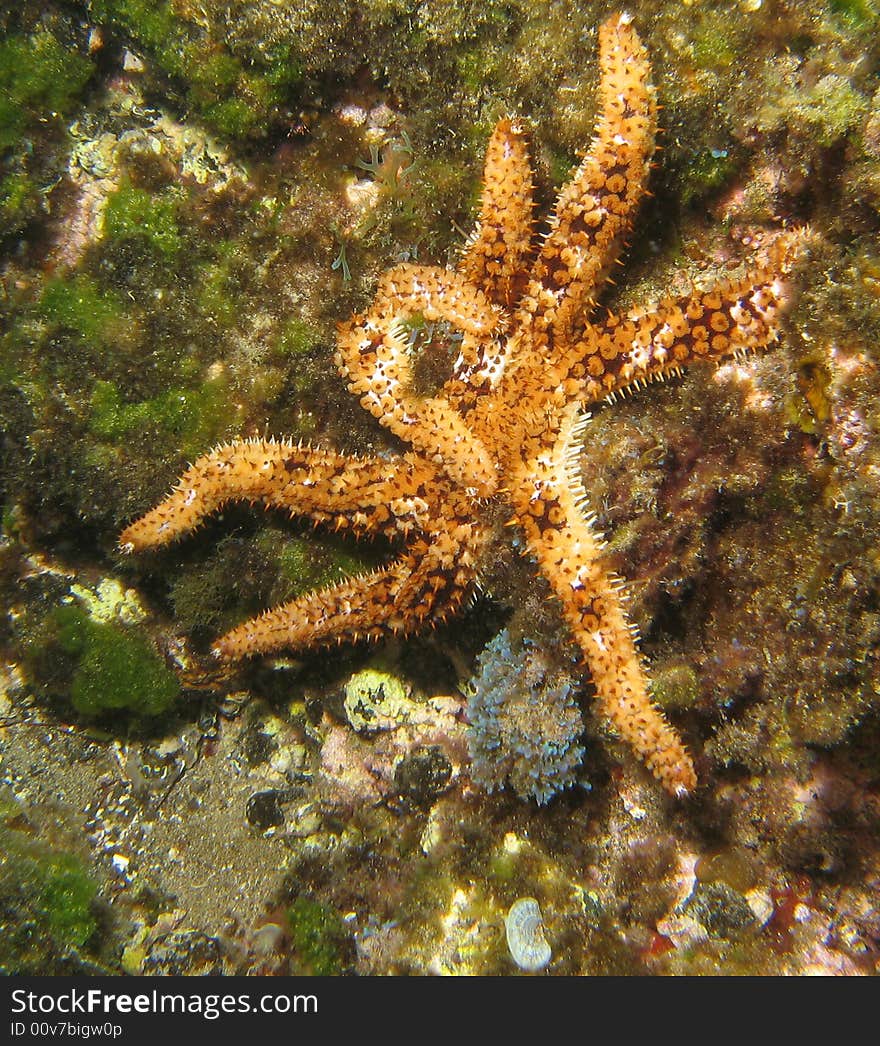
x=712, y=47
x=193, y=417
x=18, y=200
x=271, y=568
x=55, y=890
x=831, y=108
x=155, y=25
x=675, y=686
x=117, y=668
x=238, y=99
x=40, y=80
x=823, y=112
x=318, y=936
x=233, y=117
x=217, y=283
x=477, y=67
x=859, y=13
x=103, y=668
x=79, y=305
x=201, y=596
x=297, y=338
x=502, y=868
x=706, y=172
x=66, y=894
x=136, y=214
x=304, y=563
x=46, y=898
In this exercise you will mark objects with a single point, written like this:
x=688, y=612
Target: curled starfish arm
x=370, y=495
x=437, y=294
x=428, y=582
x=548, y=502
x=498, y=250
x=477, y=371
x=730, y=317
x=595, y=208
x=373, y=356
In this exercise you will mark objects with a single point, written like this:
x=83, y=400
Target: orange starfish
x=505, y=425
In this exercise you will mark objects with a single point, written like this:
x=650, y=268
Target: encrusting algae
x=505, y=425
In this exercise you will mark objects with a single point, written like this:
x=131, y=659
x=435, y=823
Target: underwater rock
x=373, y=762
x=723, y=911
x=184, y=952
x=423, y=775
x=525, y=935
x=375, y=701
x=257, y=746
x=264, y=811
x=90, y=645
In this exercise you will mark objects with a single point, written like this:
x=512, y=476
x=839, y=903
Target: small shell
x=525, y=935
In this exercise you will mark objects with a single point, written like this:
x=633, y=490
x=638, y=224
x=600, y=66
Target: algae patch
x=319, y=937
x=46, y=897
x=101, y=667
x=116, y=667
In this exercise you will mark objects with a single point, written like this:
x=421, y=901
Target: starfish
x=505, y=426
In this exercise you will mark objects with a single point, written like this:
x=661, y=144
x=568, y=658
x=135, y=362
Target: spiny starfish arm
x=596, y=207
x=370, y=495
x=372, y=355
x=427, y=583
x=436, y=293
x=728, y=318
x=547, y=502
x=496, y=258
x=498, y=250
x=360, y=608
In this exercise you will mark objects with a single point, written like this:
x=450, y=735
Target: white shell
x=525, y=935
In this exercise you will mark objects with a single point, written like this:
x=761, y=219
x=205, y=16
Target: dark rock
x=423, y=775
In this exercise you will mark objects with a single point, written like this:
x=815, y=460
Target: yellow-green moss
x=297, y=338
x=40, y=78
x=708, y=170
x=305, y=564
x=46, y=897
x=79, y=305
x=859, y=13
x=825, y=111
x=135, y=214
x=113, y=667
x=318, y=936
x=236, y=99
x=714, y=45
x=676, y=686
x=18, y=200
x=814, y=381
x=197, y=417
x=216, y=294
